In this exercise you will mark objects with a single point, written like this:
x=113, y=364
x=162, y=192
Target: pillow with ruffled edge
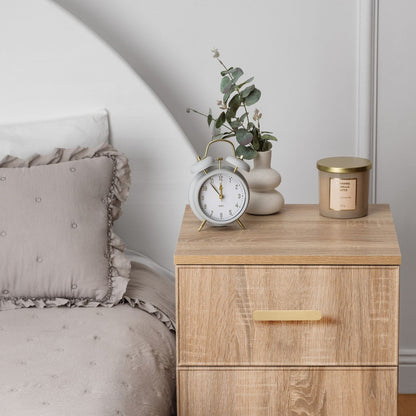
x=57, y=245
x=44, y=136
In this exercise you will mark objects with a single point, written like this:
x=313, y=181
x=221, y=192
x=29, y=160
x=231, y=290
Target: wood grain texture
x=407, y=405
x=359, y=324
x=288, y=392
x=296, y=235
x=229, y=364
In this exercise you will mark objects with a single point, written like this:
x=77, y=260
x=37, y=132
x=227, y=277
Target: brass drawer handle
x=287, y=315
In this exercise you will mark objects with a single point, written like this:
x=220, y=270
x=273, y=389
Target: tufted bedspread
x=92, y=361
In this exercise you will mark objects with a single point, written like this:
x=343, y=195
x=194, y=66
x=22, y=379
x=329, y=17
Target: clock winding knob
x=202, y=165
x=238, y=163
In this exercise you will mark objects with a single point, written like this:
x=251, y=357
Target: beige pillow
x=57, y=245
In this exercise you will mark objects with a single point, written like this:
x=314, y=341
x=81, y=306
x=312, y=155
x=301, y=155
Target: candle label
x=343, y=194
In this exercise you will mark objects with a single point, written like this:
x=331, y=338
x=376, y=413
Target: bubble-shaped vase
x=262, y=181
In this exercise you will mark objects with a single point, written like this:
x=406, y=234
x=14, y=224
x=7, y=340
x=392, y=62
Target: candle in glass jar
x=343, y=186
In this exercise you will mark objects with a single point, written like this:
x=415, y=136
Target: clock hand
x=215, y=189
x=221, y=195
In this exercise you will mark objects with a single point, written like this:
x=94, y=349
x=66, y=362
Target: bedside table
x=297, y=315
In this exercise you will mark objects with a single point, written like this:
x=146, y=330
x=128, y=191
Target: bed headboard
x=74, y=72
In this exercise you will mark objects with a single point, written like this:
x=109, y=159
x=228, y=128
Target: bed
x=93, y=361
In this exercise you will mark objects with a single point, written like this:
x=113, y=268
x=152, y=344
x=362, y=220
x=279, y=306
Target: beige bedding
x=92, y=361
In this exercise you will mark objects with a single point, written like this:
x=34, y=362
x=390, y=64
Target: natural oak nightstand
x=297, y=315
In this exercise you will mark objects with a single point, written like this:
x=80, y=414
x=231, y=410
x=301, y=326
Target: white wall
x=302, y=54
x=396, y=158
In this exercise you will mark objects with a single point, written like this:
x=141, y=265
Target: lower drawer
x=302, y=391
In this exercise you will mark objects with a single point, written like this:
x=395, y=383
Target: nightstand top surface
x=296, y=235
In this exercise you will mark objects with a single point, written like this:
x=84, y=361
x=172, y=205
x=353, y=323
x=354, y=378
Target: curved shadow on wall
x=122, y=39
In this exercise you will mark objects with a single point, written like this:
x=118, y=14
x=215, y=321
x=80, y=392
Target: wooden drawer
x=359, y=307
x=289, y=391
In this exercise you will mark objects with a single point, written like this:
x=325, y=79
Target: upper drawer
x=359, y=308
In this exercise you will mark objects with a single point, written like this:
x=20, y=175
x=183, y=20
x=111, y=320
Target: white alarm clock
x=219, y=193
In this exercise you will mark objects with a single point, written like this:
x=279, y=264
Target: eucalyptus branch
x=222, y=63
x=237, y=89
x=249, y=137
x=245, y=109
x=188, y=110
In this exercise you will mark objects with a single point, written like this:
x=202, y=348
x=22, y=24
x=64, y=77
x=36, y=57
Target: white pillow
x=25, y=139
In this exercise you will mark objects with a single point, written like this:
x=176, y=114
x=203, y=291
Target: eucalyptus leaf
x=255, y=142
x=246, y=152
x=253, y=97
x=235, y=103
x=245, y=82
x=220, y=120
x=243, y=136
x=243, y=117
x=226, y=84
x=225, y=72
x=227, y=94
x=266, y=146
x=246, y=91
x=226, y=136
x=236, y=73
x=209, y=119
x=235, y=124
x=268, y=137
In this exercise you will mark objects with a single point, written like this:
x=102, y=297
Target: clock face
x=222, y=197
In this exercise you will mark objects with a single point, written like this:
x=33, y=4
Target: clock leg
x=243, y=227
x=202, y=225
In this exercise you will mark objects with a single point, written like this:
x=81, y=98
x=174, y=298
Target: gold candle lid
x=343, y=164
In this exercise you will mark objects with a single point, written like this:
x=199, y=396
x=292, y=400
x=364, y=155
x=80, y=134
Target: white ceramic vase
x=262, y=181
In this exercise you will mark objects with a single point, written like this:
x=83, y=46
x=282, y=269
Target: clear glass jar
x=343, y=186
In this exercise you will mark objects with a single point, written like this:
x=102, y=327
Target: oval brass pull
x=296, y=315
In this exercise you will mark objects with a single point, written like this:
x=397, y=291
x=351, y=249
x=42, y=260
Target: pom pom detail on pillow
x=57, y=245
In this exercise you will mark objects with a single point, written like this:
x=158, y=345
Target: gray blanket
x=92, y=361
